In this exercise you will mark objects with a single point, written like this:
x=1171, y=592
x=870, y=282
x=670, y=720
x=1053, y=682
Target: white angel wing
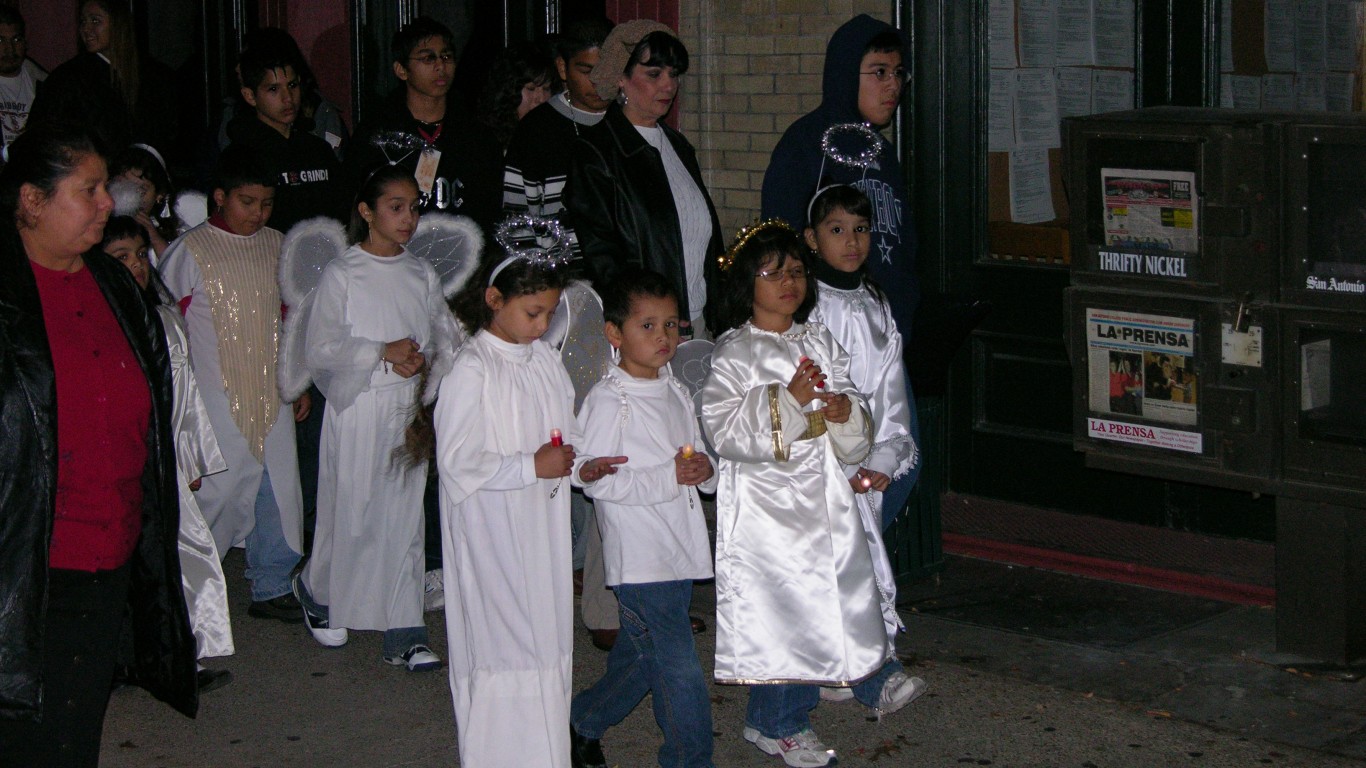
x=584, y=349
x=192, y=208
x=452, y=244
x=691, y=366
x=309, y=246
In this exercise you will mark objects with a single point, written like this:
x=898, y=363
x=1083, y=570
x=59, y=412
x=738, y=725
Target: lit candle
x=688, y=451
x=866, y=482
x=556, y=439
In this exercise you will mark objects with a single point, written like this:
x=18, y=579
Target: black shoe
x=604, y=639
x=212, y=679
x=698, y=625
x=585, y=753
x=284, y=608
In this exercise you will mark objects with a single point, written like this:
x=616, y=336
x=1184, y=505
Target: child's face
x=276, y=98
x=877, y=100
x=841, y=240
x=394, y=217
x=779, y=289
x=131, y=252
x=429, y=68
x=648, y=337
x=521, y=319
x=246, y=208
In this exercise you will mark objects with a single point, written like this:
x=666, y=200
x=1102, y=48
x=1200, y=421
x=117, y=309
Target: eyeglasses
x=14, y=41
x=430, y=59
x=882, y=75
x=776, y=275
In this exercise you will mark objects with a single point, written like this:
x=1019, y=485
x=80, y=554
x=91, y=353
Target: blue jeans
x=269, y=558
x=896, y=495
x=655, y=654
x=783, y=709
x=396, y=640
x=579, y=507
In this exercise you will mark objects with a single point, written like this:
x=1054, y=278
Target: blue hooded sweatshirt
x=794, y=171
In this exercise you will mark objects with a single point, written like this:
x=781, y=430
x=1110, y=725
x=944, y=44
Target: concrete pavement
x=1206, y=694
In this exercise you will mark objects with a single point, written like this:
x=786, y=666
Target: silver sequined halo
x=864, y=158
x=551, y=244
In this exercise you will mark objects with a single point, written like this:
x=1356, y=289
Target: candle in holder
x=556, y=439
x=688, y=451
x=866, y=482
x=802, y=361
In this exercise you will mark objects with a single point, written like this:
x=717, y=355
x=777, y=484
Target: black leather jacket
x=623, y=211
x=164, y=648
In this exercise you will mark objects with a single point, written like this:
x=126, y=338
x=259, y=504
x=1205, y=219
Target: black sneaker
x=284, y=608
x=212, y=679
x=585, y=753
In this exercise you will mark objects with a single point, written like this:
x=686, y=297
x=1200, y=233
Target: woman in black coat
x=635, y=194
x=88, y=506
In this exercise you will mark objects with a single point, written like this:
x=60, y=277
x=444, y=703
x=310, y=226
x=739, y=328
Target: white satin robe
x=367, y=562
x=505, y=543
x=864, y=327
x=196, y=455
x=796, y=598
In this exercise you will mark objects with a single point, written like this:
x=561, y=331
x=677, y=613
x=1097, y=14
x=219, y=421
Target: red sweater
x=103, y=410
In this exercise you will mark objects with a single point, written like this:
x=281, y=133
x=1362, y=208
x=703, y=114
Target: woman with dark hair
x=88, y=500
x=116, y=91
x=518, y=82
x=635, y=190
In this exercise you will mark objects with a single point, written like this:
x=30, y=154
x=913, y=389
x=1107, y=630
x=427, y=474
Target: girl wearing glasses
x=797, y=604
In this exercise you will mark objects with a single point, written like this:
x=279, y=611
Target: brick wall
x=755, y=68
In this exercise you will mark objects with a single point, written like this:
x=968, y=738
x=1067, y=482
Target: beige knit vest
x=241, y=279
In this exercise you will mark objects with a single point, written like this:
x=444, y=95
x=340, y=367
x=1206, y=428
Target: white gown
x=796, y=599
x=506, y=542
x=864, y=326
x=368, y=563
x=196, y=455
x=228, y=499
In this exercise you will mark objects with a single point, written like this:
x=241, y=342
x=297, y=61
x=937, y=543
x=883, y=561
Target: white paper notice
x=1247, y=91
x=1309, y=93
x=1038, y=25
x=1340, y=44
x=1309, y=34
x=1076, y=36
x=1001, y=32
x=1111, y=91
x=1031, y=195
x=1278, y=91
x=1280, y=35
x=1338, y=88
x=1225, y=35
x=1074, y=91
x=1001, y=111
x=1114, y=31
x=1036, y=109
x=1242, y=347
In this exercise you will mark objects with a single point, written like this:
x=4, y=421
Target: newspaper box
x=1325, y=216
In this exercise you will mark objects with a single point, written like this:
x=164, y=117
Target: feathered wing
x=691, y=366
x=308, y=248
x=451, y=244
x=584, y=349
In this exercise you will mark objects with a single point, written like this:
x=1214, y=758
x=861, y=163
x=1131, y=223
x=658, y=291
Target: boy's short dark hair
x=256, y=61
x=240, y=166
x=835, y=197
x=11, y=16
x=582, y=35
x=885, y=42
x=408, y=37
x=626, y=285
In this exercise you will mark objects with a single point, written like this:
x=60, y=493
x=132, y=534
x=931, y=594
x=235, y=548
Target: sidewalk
x=1194, y=685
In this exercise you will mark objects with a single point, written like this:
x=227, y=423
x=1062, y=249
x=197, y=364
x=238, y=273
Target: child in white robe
x=378, y=319
x=784, y=417
x=654, y=536
x=197, y=455
x=505, y=431
x=857, y=315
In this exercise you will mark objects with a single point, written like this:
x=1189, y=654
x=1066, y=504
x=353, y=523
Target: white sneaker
x=800, y=750
x=899, y=690
x=433, y=591
x=317, y=626
x=419, y=658
x=833, y=693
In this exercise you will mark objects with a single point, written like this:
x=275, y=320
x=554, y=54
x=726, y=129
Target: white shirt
x=694, y=220
x=16, y=98
x=652, y=527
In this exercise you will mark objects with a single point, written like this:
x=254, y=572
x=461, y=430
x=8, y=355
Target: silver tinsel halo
x=864, y=158
x=397, y=145
x=550, y=242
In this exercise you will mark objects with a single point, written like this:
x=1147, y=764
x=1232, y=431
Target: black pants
x=85, y=615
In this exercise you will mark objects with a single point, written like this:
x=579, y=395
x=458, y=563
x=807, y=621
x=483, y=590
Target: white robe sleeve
x=748, y=423
x=894, y=450
x=196, y=446
x=464, y=460
x=600, y=420
x=340, y=362
x=851, y=440
x=179, y=270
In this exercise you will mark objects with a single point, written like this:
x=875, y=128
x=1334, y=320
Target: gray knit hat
x=615, y=51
